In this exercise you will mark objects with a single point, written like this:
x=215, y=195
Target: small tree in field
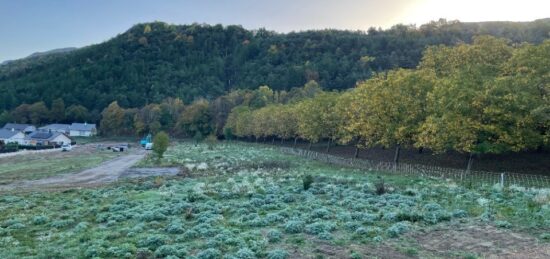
x=160, y=144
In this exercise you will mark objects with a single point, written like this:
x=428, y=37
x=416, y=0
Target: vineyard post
x=470, y=161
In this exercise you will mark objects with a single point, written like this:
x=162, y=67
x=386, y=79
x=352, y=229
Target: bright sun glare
x=479, y=10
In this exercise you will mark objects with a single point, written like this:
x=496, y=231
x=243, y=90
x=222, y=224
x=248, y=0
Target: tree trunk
x=282, y=141
x=356, y=155
x=328, y=145
x=295, y=140
x=309, y=147
x=420, y=150
x=273, y=141
x=396, y=157
x=470, y=162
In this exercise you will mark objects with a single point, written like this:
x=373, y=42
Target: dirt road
x=107, y=172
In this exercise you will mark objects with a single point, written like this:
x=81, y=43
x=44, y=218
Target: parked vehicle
x=66, y=147
x=148, y=146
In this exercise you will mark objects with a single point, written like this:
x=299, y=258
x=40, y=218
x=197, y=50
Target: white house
x=83, y=130
x=61, y=128
x=12, y=136
x=42, y=138
x=25, y=128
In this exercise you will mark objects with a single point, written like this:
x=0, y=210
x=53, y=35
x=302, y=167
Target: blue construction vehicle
x=146, y=140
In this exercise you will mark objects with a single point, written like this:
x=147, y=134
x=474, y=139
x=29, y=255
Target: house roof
x=7, y=133
x=83, y=126
x=17, y=126
x=56, y=126
x=41, y=135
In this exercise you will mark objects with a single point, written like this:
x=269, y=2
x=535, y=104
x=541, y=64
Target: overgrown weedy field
x=246, y=201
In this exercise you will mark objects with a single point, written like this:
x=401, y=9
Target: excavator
x=146, y=141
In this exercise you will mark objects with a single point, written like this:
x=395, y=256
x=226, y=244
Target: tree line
x=199, y=119
x=39, y=113
x=485, y=97
x=153, y=61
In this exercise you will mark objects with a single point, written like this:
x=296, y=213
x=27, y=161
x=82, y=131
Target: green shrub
x=11, y=222
x=364, y=217
x=152, y=215
x=390, y=216
x=459, y=213
x=39, y=220
x=277, y=254
x=503, y=224
x=81, y=226
x=143, y=253
x=368, y=231
x=152, y=241
x=377, y=239
x=175, y=227
x=210, y=253
x=245, y=253
x=307, y=181
x=294, y=226
x=409, y=215
x=171, y=250
x=205, y=230
x=321, y=213
x=432, y=207
x=16, y=226
x=320, y=227
x=289, y=198
x=160, y=144
x=123, y=250
x=94, y=251
x=274, y=236
x=190, y=234
x=352, y=225
x=397, y=229
x=274, y=218
x=434, y=213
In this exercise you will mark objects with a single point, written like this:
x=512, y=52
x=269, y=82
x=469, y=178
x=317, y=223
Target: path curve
x=106, y=172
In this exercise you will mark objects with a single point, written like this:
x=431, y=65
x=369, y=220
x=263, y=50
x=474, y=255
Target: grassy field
x=37, y=166
x=246, y=201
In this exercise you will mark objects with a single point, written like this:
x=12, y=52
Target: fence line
x=459, y=175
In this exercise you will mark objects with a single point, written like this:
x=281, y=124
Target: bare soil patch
x=482, y=240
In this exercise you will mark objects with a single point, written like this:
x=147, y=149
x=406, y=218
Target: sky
x=28, y=26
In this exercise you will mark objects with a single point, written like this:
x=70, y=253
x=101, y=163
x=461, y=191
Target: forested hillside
x=153, y=61
x=482, y=98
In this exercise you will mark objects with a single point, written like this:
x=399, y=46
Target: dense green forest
x=490, y=96
x=153, y=61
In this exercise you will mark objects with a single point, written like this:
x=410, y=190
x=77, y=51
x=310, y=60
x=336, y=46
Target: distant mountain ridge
x=152, y=61
x=41, y=54
x=49, y=52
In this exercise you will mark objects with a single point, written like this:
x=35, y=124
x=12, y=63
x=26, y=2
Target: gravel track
x=106, y=172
